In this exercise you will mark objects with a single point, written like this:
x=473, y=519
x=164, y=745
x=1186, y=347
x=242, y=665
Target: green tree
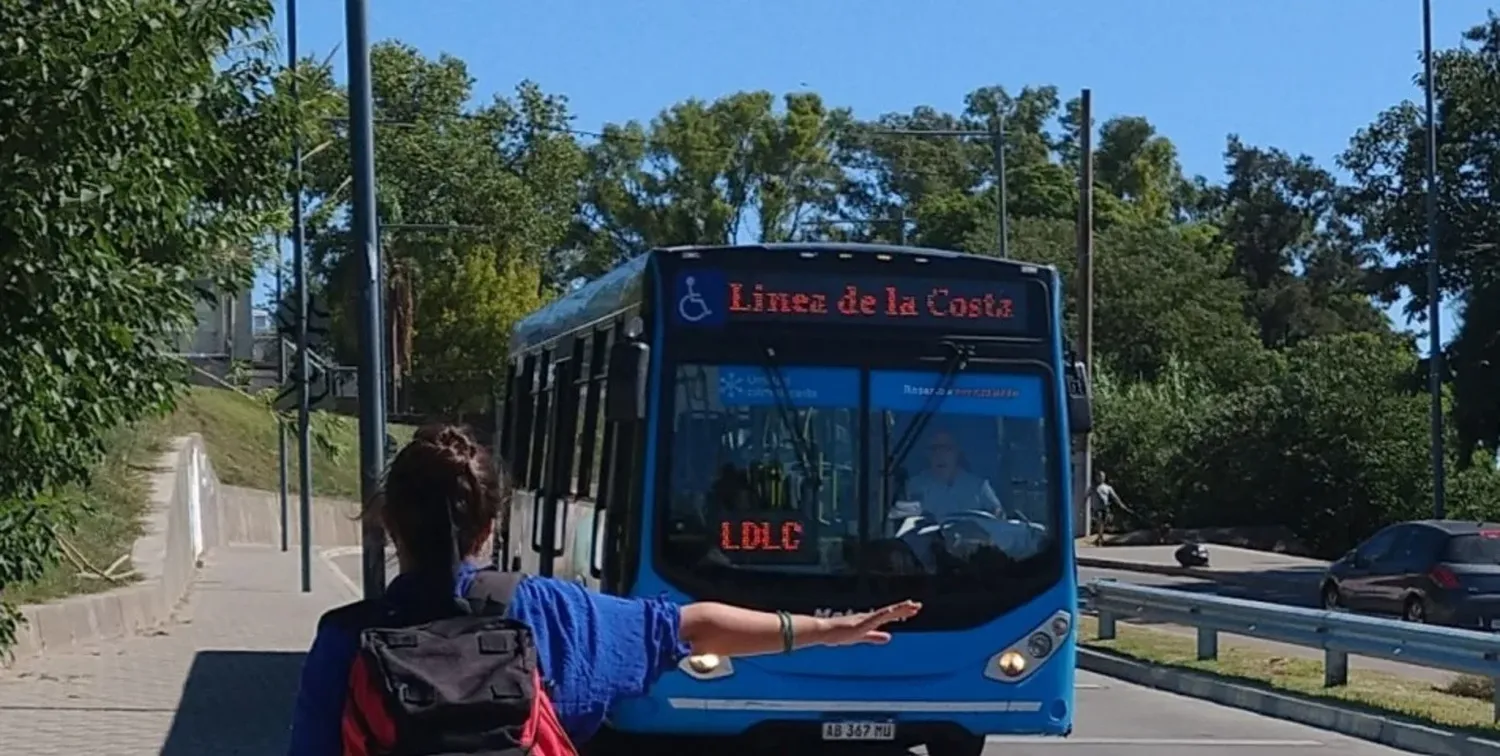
x=144, y=152
x=717, y=172
x=1145, y=436
x=1306, y=274
x=467, y=311
x=1387, y=160
x=943, y=186
x=454, y=185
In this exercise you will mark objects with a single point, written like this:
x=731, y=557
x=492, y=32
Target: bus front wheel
x=956, y=745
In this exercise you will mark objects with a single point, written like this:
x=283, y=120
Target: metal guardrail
x=1338, y=634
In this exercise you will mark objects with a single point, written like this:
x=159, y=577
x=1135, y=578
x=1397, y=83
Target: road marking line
x=347, y=582
x=1196, y=742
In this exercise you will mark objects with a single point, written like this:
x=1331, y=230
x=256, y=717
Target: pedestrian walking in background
x=1106, y=505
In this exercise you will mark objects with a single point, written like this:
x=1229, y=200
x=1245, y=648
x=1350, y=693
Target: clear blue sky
x=1302, y=75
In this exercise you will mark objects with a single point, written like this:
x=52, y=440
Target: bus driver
x=945, y=487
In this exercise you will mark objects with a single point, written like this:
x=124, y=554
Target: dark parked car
x=1440, y=571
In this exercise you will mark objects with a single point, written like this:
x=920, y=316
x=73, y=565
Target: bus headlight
x=1024, y=656
x=707, y=666
x=1060, y=625
x=1039, y=645
x=1012, y=663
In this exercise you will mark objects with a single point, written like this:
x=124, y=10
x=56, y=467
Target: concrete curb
x=183, y=521
x=1388, y=731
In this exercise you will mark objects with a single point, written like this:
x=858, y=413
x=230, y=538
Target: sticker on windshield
x=698, y=298
x=755, y=386
x=966, y=393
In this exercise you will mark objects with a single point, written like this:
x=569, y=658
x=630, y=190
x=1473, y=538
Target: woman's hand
x=853, y=629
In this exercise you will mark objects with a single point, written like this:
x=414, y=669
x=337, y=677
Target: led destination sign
x=714, y=297
x=767, y=537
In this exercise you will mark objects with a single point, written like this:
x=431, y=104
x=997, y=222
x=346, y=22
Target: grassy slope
x=108, y=519
x=1367, y=690
x=241, y=438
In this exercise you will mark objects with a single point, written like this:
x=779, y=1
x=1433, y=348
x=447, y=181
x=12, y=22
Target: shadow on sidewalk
x=236, y=703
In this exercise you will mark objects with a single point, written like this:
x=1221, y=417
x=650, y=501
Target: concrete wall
x=251, y=516
x=184, y=520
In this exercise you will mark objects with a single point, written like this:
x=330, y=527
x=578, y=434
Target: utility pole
x=1434, y=288
x=996, y=135
x=299, y=264
x=1085, y=290
x=366, y=244
x=998, y=145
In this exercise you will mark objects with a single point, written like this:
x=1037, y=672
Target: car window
x=1474, y=548
x=1378, y=545
x=1415, y=544
x=1401, y=542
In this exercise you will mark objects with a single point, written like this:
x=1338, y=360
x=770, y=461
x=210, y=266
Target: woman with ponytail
x=442, y=495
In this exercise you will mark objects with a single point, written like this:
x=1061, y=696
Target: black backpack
x=465, y=681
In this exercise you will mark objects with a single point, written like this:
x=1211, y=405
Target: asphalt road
x=1299, y=590
x=1120, y=719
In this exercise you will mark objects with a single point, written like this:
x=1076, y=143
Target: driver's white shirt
x=965, y=491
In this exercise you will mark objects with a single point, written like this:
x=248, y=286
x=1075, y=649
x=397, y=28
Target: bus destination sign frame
x=715, y=298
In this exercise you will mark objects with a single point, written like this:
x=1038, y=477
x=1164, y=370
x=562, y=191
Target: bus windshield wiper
x=787, y=409
x=908, y=439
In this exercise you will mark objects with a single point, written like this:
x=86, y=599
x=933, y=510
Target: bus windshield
x=962, y=470
x=762, y=467
x=763, y=472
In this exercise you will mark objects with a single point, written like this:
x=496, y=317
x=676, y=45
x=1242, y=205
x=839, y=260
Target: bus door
x=550, y=507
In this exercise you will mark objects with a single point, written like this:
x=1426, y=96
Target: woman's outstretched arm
x=713, y=628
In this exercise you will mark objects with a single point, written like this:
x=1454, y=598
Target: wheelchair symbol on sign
x=692, y=308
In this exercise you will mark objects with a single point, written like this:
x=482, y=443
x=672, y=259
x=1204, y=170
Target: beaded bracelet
x=788, y=636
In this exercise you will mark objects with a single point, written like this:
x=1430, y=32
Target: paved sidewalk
x=219, y=681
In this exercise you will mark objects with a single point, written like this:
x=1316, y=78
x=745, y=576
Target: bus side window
x=503, y=404
x=592, y=382
x=541, y=419
x=522, y=403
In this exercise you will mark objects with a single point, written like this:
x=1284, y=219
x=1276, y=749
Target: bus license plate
x=859, y=730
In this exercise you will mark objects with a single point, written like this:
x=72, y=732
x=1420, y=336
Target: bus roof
x=850, y=248
x=623, y=287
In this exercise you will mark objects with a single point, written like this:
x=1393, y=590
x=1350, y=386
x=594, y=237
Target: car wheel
x=1414, y=610
x=1331, y=598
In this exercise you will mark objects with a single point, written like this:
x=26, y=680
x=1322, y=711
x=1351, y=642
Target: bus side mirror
x=1080, y=400
x=629, y=364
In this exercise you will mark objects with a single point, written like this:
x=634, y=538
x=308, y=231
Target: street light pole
x=1434, y=289
x=365, y=244
x=281, y=381
x=1003, y=243
x=299, y=266
x=997, y=142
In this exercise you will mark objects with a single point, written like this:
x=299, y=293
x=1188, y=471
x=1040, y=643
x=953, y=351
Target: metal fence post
x=1335, y=668
x=1208, y=644
x=1106, y=625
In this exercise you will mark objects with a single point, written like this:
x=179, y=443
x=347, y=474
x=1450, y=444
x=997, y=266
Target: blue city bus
x=822, y=429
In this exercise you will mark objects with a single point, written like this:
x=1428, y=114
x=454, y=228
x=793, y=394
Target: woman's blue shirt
x=595, y=649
